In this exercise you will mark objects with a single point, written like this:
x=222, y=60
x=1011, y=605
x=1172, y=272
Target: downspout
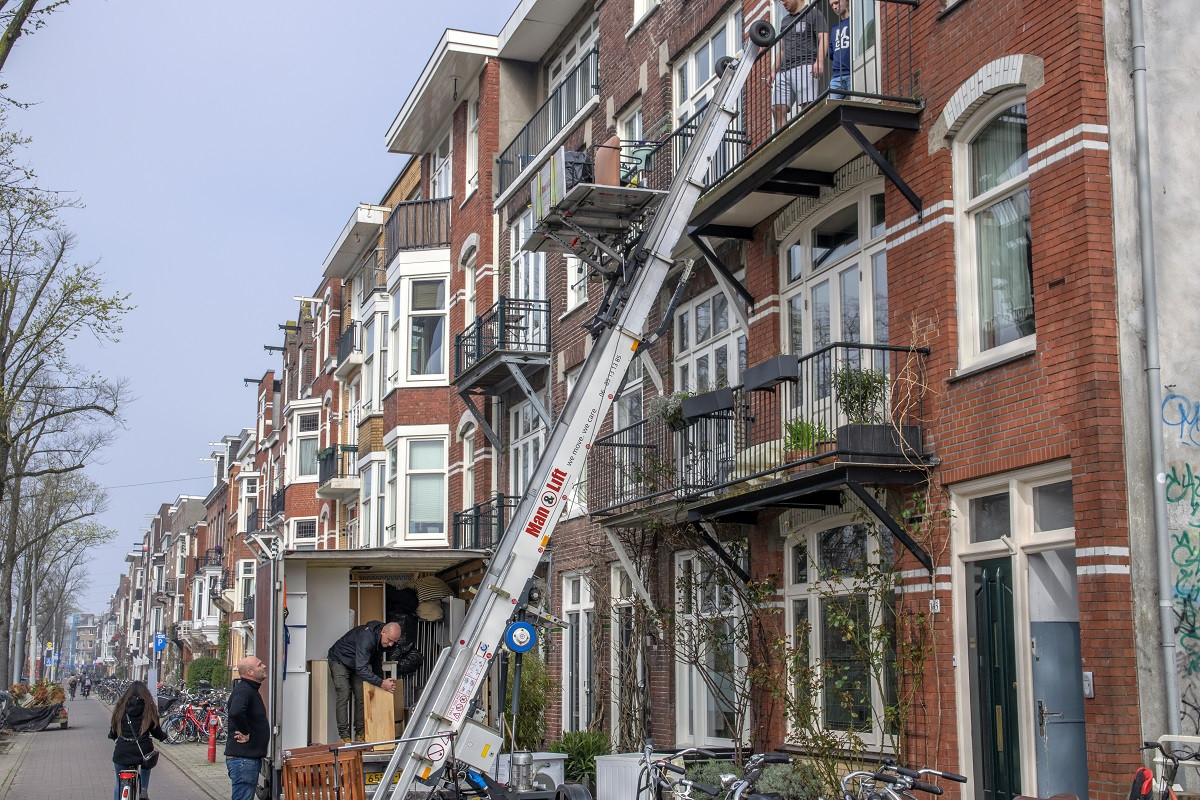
x=1166, y=610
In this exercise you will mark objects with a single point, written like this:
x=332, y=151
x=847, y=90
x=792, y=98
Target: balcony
x=349, y=351
x=337, y=472
x=481, y=526
x=541, y=134
x=373, y=276
x=844, y=405
x=248, y=606
x=513, y=331
x=277, y=503
x=417, y=225
x=774, y=154
x=256, y=521
x=213, y=559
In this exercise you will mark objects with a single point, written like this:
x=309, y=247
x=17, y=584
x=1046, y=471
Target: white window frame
x=441, y=159
x=528, y=282
x=467, y=439
x=642, y=8
x=970, y=356
x=813, y=590
x=298, y=542
x=246, y=572
x=687, y=358
x=628, y=410
x=298, y=436
x=690, y=95
x=472, y=149
x=526, y=441
x=400, y=441
x=401, y=329
x=390, y=495
x=582, y=42
x=578, y=659
x=624, y=603
x=577, y=276
x=692, y=698
x=634, y=149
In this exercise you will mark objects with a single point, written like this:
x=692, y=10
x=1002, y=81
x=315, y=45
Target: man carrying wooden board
x=353, y=659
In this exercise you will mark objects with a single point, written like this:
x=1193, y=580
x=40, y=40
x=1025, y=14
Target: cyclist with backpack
x=134, y=721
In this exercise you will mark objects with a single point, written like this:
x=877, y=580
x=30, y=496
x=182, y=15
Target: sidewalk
x=12, y=753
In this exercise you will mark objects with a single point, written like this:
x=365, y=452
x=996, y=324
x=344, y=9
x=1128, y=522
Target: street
x=58, y=764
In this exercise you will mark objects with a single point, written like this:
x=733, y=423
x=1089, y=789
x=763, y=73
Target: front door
x=994, y=679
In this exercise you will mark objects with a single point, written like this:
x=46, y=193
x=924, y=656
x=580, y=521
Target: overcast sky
x=219, y=151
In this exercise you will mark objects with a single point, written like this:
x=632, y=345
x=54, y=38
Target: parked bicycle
x=893, y=782
x=192, y=721
x=1148, y=787
x=657, y=777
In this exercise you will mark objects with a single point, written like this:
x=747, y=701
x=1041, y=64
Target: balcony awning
x=360, y=234
x=819, y=488
x=535, y=26
x=452, y=68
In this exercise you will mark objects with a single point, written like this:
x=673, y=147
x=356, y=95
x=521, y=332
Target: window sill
x=572, y=310
x=976, y=369
x=640, y=21
x=470, y=193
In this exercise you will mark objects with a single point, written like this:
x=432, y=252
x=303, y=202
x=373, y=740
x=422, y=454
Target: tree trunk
x=7, y=565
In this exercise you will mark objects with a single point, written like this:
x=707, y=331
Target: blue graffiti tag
x=1183, y=413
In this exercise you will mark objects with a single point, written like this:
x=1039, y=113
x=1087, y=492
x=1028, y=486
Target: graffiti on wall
x=1181, y=416
x=1181, y=419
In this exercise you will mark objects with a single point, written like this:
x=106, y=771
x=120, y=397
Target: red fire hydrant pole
x=212, y=737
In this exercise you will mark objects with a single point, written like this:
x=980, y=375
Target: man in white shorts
x=802, y=62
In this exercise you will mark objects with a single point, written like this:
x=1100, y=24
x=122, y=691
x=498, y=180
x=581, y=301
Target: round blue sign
x=520, y=637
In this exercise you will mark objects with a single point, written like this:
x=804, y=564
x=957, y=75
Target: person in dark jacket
x=249, y=729
x=134, y=721
x=358, y=657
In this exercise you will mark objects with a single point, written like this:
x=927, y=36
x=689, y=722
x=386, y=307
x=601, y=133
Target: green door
x=994, y=681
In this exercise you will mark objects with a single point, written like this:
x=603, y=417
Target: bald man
x=358, y=657
x=249, y=729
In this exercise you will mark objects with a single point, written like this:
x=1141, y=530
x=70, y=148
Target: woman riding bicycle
x=134, y=721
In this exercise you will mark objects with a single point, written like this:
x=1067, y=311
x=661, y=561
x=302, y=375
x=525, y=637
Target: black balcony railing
x=374, y=275
x=349, y=342
x=580, y=86
x=248, y=606
x=851, y=403
x=481, y=526
x=277, y=502
x=511, y=325
x=227, y=579
x=881, y=71
x=213, y=557
x=339, y=461
x=255, y=521
x=417, y=225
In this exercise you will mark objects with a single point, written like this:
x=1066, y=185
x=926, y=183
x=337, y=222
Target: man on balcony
x=805, y=41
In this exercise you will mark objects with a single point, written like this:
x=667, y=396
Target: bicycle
x=186, y=725
x=653, y=781
x=893, y=782
x=129, y=784
x=1145, y=784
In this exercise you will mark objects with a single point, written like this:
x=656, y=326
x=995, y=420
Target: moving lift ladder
x=450, y=691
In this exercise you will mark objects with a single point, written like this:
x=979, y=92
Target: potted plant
x=862, y=396
x=669, y=408
x=803, y=438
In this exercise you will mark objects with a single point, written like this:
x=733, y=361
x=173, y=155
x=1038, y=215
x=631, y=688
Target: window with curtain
x=426, y=478
x=995, y=249
x=577, y=661
x=472, y=155
x=439, y=178
x=306, y=445
x=427, y=324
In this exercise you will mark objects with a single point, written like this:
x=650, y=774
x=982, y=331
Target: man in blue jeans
x=249, y=729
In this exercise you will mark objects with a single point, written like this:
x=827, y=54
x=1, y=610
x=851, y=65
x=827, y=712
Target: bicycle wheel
x=190, y=732
x=222, y=727
x=174, y=728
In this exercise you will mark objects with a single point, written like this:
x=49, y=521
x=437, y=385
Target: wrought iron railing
x=339, y=461
x=374, y=275
x=417, y=225
x=277, y=501
x=881, y=71
x=255, y=521
x=481, y=526
x=349, y=342
x=511, y=324
x=581, y=85
x=847, y=402
x=213, y=557
x=248, y=606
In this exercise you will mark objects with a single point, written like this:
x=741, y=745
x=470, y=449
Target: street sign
x=160, y=641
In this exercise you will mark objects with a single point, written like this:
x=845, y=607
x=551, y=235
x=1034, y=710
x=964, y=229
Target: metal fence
x=510, y=325
x=349, y=342
x=580, y=86
x=417, y=225
x=339, y=461
x=481, y=526
x=846, y=402
x=374, y=275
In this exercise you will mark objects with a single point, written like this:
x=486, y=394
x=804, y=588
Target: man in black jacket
x=358, y=657
x=249, y=729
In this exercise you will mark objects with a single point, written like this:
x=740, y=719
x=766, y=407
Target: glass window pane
x=703, y=321
x=879, y=297
x=683, y=331
x=426, y=455
x=851, y=322
x=842, y=551
x=426, y=351
x=820, y=311
x=796, y=324
x=835, y=237
x=702, y=374
x=989, y=517
x=721, y=366
x=800, y=562
x=878, y=226
x=1000, y=152
x=428, y=295
x=847, y=684
x=308, y=456
x=426, y=504
x=1053, y=507
x=685, y=379
x=702, y=65
x=795, y=262
x=720, y=314
x=1005, y=262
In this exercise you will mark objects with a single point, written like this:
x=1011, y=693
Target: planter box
x=707, y=403
x=879, y=444
x=617, y=775
x=771, y=372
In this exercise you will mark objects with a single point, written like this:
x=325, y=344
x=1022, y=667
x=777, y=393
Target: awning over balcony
x=360, y=235
x=457, y=58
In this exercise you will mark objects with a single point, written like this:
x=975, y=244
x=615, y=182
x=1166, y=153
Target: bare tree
x=22, y=17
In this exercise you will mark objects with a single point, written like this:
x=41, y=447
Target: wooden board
x=319, y=704
x=367, y=601
x=379, y=714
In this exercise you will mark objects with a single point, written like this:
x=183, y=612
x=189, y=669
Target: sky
x=218, y=156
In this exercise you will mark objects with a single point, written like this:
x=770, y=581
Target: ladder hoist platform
x=635, y=276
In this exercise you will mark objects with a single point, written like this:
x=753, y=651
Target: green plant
x=797, y=781
x=668, y=407
x=581, y=748
x=202, y=669
x=529, y=728
x=861, y=394
x=802, y=434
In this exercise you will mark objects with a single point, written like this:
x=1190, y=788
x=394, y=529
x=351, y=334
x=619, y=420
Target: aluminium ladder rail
x=460, y=670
